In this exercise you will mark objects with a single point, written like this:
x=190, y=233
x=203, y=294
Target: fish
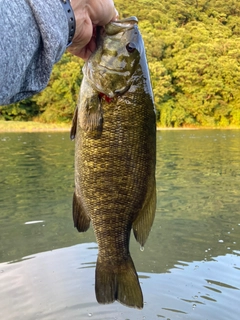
x=114, y=127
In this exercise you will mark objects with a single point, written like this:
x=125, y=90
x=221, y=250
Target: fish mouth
x=116, y=26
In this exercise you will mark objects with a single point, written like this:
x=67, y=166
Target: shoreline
x=31, y=126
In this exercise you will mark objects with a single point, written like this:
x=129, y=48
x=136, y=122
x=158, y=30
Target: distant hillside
x=193, y=49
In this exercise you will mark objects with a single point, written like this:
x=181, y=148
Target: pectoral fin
x=80, y=218
x=143, y=223
x=90, y=112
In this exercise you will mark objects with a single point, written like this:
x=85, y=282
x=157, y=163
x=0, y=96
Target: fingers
x=116, y=15
x=89, y=14
x=102, y=12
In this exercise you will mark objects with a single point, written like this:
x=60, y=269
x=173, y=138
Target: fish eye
x=130, y=47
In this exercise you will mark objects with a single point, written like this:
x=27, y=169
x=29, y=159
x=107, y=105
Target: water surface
x=190, y=266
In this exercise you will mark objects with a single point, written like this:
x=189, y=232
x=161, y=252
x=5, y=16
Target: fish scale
x=115, y=158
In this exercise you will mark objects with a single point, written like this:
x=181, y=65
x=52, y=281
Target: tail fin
x=119, y=284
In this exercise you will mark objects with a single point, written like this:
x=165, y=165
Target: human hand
x=88, y=15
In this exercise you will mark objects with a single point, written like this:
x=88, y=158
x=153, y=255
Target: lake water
x=190, y=266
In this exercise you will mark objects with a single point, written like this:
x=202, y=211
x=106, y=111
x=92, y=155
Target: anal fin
x=80, y=218
x=143, y=223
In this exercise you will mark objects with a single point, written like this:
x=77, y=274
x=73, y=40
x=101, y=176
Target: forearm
x=34, y=34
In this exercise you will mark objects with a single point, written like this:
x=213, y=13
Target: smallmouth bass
x=114, y=127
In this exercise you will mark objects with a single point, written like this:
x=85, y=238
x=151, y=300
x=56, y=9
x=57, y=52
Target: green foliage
x=58, y=101
x=194, y=59
x=21, y=111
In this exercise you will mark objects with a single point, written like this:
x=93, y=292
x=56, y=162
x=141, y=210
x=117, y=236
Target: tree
x=193, y=52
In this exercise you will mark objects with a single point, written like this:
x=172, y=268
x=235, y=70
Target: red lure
x=106, y=98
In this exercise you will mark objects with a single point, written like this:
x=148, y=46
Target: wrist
x=66, y=4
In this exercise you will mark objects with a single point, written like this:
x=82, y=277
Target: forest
x=193, y=51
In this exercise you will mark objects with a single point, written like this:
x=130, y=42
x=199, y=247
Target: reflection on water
x=59, y=284
x=190, y=266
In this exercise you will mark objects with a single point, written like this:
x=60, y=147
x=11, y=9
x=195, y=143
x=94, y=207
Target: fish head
x=112, y=68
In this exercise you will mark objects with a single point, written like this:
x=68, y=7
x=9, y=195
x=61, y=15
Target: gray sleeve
x=33, y=36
